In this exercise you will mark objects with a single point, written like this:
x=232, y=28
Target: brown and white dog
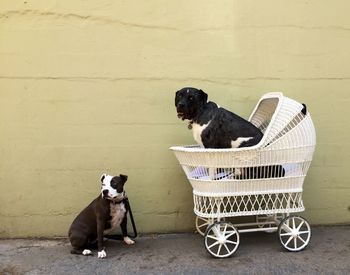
x=100, y=217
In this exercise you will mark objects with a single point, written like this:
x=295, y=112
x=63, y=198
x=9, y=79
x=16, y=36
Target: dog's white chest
x=197, y=132
x=117, y=213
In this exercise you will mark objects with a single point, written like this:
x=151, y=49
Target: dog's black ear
x=103, y=177
x=177, y=97
x=123, y=177
x=203, y=96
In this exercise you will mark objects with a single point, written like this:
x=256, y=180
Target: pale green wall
x=88, y=86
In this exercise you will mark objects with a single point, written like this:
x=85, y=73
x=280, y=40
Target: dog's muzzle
x=180, y=112
x=180, y=115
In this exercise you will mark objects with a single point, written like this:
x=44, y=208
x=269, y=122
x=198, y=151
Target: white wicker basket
x=263, y=179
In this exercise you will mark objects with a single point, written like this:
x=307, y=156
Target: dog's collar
x=189, y=126
x=119, y=200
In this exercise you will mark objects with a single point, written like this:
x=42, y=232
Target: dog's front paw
x=129, y=241
x=101, y=254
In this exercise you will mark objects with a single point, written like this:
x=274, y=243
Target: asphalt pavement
x=258, y=253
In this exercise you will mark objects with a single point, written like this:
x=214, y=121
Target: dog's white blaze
x=236, y=143
x=117, y=212
x=197, y=132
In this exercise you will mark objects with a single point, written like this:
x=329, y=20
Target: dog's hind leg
x=85, y=252
x=79, y=244
x=76, y=251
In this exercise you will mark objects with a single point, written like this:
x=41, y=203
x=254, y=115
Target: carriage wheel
x=202, y=224
x=221, y=239
x=294, y=233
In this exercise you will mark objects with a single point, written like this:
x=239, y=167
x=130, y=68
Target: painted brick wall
x=87, y=87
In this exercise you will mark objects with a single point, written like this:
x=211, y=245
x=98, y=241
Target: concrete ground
x=258, y=253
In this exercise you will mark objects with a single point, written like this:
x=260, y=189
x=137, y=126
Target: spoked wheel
x=221, y=239
x=202, y=224
x=294, y=233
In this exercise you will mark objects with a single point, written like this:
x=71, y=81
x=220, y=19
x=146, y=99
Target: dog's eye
x=190, y=98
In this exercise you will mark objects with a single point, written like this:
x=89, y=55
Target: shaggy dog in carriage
x=213, y=126
x=216, y=127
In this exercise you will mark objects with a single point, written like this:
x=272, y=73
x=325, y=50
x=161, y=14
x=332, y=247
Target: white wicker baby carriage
x=265, y=181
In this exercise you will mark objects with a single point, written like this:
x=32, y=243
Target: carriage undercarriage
x=221, y=235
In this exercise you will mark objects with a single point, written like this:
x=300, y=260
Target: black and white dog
x=216, y=127
x=213, y=126
x=100, y=217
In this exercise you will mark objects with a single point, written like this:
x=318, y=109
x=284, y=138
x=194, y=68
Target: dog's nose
x=105, y=192
x=180, y=105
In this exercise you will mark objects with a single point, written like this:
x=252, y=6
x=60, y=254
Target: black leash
x=119, y=236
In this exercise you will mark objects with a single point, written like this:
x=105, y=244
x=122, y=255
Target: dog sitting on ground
x=216, y=127
x=213, y=126
x=100, y=217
